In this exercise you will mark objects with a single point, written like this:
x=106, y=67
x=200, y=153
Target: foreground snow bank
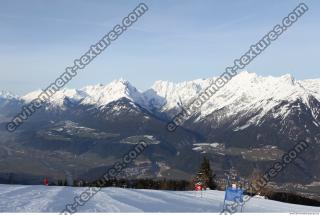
x=20, y=198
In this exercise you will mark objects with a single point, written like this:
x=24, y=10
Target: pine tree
x=60, y=183
x=65, y=182
x=10, y=180
x=205, y=175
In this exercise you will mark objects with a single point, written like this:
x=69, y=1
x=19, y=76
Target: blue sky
x=175, y=40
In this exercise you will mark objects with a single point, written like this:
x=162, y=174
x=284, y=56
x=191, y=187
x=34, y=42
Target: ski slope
x=22, y=198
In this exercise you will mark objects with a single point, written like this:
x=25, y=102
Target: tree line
x=204, y=177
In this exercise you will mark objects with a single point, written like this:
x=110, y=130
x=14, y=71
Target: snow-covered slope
x=313, y=86
x=20, y=198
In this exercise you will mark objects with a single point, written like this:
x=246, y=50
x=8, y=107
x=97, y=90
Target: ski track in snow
x=20, y=198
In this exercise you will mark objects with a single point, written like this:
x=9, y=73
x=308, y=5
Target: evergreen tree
x=60, y=183
x=10, y=180
x=205, y=175
x=65, y=182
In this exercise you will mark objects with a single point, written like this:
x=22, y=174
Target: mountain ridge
x=169, y=94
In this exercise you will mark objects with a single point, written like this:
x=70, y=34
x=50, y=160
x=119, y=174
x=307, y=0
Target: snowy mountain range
x=253, y=120
x=245, y=91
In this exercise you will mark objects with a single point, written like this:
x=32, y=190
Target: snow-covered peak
x=245, y=92
x=104, y=94
x=58, y=97
x=182, y=93
x=261, y=88
x=288, y=78
x=246, y=74
x=31, y=96
x=94, y=95
x=7, y=95
x=251, y=92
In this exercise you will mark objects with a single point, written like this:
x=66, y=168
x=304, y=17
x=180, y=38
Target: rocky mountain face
x=249, y=123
